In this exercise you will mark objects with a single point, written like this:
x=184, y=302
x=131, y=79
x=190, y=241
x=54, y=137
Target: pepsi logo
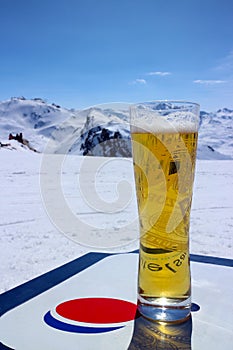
x=91, y=315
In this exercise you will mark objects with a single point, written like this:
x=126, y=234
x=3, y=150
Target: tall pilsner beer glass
x=164, y=142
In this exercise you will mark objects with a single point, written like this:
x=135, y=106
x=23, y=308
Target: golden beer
x=164, y=164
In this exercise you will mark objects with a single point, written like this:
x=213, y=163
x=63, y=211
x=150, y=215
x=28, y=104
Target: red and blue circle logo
x=91, y=315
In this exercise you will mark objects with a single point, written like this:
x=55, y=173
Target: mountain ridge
x=99, y=130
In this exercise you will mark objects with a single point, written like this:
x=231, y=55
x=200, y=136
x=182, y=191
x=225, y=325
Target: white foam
x=153, y=122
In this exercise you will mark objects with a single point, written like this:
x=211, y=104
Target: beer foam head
x=145, y=118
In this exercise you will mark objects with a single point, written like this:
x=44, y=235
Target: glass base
x=165, y=310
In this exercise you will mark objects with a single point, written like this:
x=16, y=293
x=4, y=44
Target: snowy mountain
x=216, y=133
x=103, y=133
x=35, y=118
x=98, y=131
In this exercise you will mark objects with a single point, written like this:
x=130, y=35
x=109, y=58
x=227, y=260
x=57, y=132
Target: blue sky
x=83, y=52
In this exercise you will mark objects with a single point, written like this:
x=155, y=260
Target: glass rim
x=184, y=102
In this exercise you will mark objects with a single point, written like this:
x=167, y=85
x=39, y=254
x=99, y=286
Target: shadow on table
x=150, y=335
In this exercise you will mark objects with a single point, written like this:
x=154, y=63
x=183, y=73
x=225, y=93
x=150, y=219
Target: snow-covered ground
x=31, y=244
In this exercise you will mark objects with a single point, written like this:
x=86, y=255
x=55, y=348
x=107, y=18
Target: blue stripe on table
x=38, y=285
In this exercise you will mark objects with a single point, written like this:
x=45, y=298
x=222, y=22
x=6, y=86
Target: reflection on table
x=150, y=335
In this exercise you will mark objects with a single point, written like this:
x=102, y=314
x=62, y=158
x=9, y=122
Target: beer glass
x=164, y=142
